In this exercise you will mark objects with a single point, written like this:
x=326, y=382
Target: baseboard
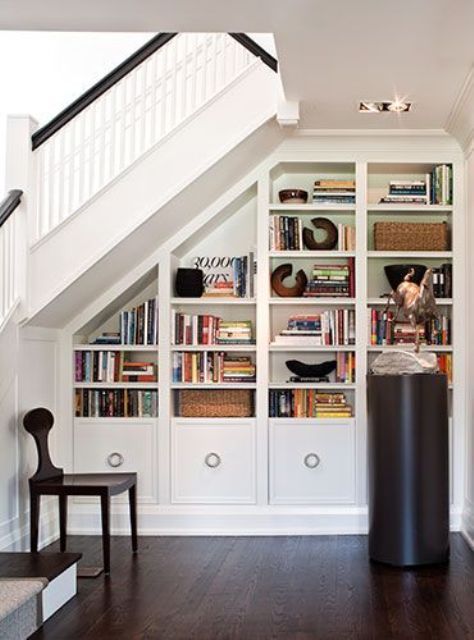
x=18, y=538
x=467, y=523
x=171, y=520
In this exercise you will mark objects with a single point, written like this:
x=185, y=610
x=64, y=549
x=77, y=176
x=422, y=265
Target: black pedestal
x=408, y=469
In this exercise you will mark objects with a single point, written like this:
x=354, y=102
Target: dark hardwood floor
x=287, y=588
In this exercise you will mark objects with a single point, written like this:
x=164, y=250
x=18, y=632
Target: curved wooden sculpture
x=330, y=240
x=303, y=370
x=282, y=272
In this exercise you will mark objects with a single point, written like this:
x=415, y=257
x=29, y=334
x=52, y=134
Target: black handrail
x=9, y=204
x=158, y=41
x=256, y=49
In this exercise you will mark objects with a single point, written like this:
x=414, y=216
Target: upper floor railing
x=9, y=289
x=124, y=115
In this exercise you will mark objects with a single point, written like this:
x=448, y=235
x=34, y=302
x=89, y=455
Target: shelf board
x=207, y=421
x=115, y=347
x=212, y=300
x=383, y=301
x=287, y=347
x=214, y=347
x=311, y=385
x=320, y=302
x=311, y=254
x=409, y=208
x=306, y=421
x=409, y=254
x=112, y=419
x=302, y=208
x=409, y=347
x=213, y=385
x=116, y=385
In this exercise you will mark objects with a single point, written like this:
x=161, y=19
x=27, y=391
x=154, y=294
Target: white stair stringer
x=141, y=192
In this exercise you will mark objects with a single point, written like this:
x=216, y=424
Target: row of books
x=188, y=329
x=445, y=365
x=116, y=403
x=212, y=367
x=435, y=188
x=345, y=367
x=384, y=331
x=286, y=234
x=138, y=326
x=111, y=366
x=332, y=280
x=308, y=403
x=443, y=281
x=333, y=191
x=238, y=281
x=332, y=327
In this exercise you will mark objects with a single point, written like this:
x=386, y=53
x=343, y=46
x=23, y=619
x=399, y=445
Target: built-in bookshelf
x=225, y=342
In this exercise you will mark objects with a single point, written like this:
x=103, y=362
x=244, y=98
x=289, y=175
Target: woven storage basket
x=411, y=236
x=210, y=403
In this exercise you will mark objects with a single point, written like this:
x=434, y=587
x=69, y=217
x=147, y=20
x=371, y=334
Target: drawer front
x=118, y=447
x=312, y=464
x=213, y=464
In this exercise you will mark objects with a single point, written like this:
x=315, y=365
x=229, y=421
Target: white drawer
x=213, y=461
x=95, y=444
x=312, y=463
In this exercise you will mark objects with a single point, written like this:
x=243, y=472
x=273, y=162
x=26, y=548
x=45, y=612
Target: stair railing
x=9, y=267
x=128, y=112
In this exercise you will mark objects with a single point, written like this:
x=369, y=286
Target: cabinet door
x=312, y=463
x=213, y=463
x=118, y=447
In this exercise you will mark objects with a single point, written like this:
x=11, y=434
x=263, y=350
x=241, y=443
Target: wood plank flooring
x=257, y=588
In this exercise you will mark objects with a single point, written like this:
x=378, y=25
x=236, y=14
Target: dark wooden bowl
x=296, y=196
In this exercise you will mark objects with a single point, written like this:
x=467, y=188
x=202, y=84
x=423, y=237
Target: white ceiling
x=331, y=53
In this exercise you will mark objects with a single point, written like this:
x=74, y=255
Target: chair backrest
x=39, y=422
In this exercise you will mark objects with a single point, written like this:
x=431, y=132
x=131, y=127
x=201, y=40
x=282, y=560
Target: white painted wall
x=28, y=364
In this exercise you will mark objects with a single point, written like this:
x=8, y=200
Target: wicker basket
x=411, y=236
x=210, y=403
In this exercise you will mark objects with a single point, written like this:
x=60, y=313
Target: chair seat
x=76, y=484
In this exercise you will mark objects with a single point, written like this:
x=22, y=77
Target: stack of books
x=212, y=367
x=110, y=337
x=333, y=327
x=442, y=281
x=331, y=191
x=345, y=368
x=110, y=366
x=445, y=365
x=308, y=403
x=383, y=330
x=435, y=188
x=238, y=282
x=235, y=332
x=332, y=281
x=286, y=233
x=407, y=192
x=116, y=403
x=140, y=325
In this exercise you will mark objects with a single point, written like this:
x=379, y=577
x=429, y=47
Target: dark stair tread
x=36, y=565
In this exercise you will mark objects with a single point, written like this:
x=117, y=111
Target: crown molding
x=460, y=122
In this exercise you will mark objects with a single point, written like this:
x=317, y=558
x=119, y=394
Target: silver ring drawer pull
x=311, y=460
x=115, y=459
x=212, y=460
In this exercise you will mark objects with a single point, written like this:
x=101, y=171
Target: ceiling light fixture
x=381, y=106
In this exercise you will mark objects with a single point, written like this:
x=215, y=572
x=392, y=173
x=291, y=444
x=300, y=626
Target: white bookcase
x=263, y=466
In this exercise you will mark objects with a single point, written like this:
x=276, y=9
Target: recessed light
x=381, y=106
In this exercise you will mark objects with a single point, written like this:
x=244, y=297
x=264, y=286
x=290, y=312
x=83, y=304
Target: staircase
x=174, y=118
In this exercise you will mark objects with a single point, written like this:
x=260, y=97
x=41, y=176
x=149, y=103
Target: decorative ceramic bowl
x=296, y=196
x=396, y=272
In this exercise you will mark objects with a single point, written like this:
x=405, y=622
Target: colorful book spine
x=116, y=403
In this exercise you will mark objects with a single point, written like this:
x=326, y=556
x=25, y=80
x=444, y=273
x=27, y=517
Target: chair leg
x=132, y=497
x=34, y=519
x=62, y=522
x=105, y=511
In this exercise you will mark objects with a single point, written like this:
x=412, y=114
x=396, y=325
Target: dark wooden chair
x=50, y=480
